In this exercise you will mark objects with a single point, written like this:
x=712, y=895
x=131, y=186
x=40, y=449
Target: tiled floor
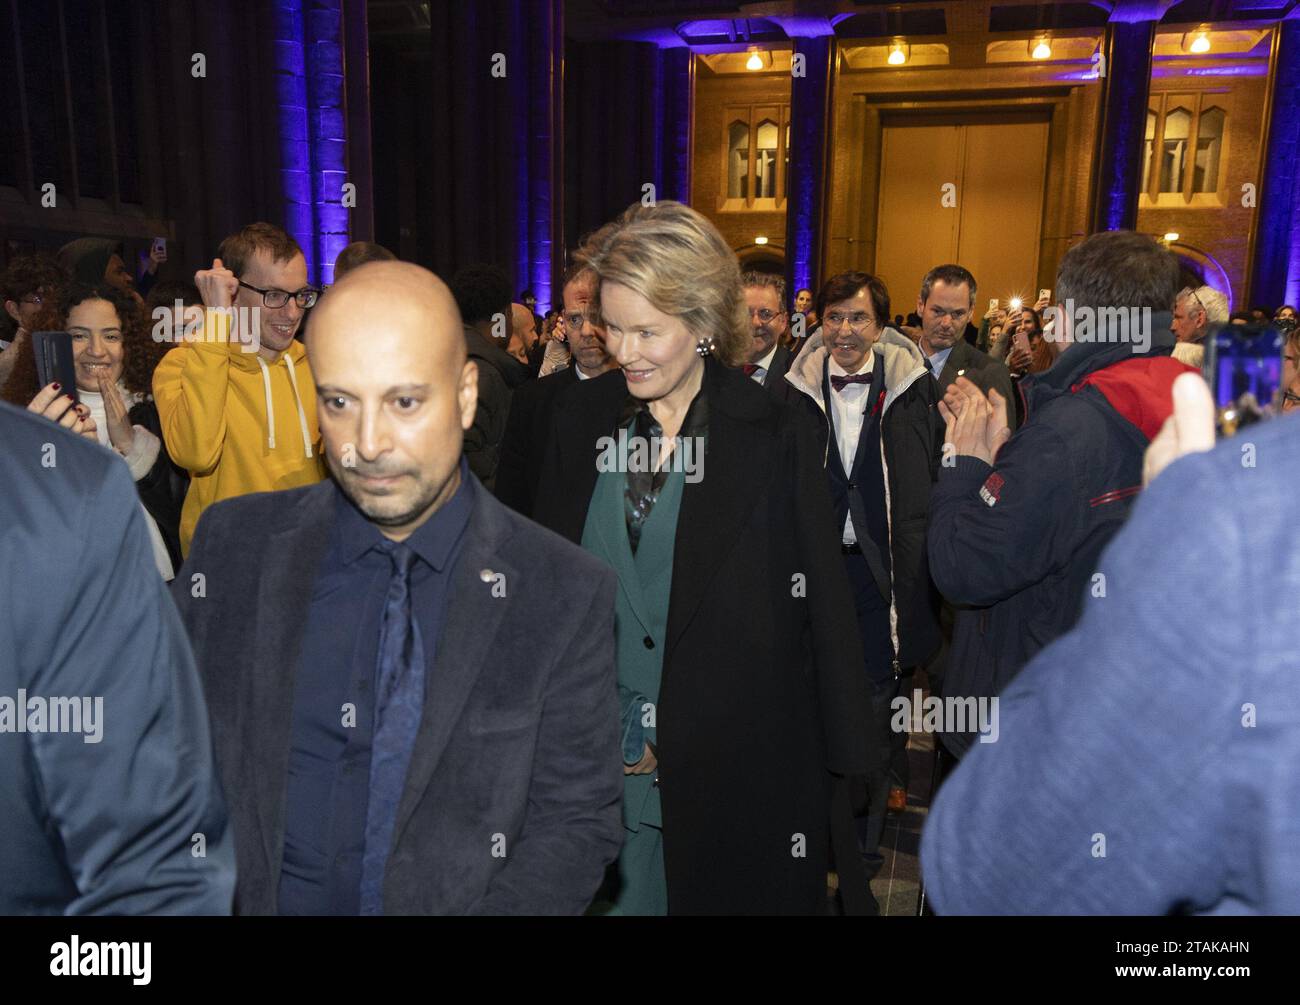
x=898, y=884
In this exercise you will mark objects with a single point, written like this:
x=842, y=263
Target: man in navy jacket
x=1145, y=760
x=1017, y=525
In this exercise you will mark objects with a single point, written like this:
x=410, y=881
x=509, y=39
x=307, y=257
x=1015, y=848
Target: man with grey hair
x=1018, y=523
x=1195, y=310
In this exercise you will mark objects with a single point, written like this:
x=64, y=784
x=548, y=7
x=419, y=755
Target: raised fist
x=217, y=285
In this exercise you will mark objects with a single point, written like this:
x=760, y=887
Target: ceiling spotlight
x=1042, y=49
x=897, y=54
x=1200, y=43
x=755, y=61
x=760, y=239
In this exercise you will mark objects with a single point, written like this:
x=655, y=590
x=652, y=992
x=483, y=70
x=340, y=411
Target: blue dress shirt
x=333, y=709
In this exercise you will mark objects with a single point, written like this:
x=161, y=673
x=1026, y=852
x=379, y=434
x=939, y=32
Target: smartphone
x=159, y=244
x=1015, y=303
x=1243, y=366
x=1045, y=295
x=993, y=304
x=54, y=361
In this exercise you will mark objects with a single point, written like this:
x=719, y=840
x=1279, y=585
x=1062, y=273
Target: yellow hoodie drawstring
x=302, y=416
x=270, y=412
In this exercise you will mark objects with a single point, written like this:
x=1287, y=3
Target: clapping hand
x=120, y=432
x=976, y=423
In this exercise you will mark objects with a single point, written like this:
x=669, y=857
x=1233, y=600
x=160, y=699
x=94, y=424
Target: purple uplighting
x=1124, y=112
x=313, y=136
x=1277, y=250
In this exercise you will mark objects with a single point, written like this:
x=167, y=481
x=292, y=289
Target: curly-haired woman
x=115, y=357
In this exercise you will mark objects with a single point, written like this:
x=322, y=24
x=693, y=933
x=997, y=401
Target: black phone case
x=54, y=362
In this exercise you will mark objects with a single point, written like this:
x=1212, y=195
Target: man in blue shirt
x=412, y=687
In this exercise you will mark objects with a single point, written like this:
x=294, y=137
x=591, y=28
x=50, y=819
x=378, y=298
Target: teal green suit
x=640, y=613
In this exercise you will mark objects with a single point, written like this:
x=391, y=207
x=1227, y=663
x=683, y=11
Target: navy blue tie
x=399, y=703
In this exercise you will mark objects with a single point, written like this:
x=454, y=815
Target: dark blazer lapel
x=957, y=360
x=584, y=414
x=469, y=626
x=780, y=364
x=714, y=510
x=284, y=594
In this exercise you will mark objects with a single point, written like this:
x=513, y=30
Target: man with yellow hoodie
x=238, y=406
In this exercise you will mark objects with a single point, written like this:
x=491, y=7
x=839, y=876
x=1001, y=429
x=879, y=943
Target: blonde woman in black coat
x=740, y=668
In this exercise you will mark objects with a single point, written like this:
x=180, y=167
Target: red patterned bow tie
x=750, y=369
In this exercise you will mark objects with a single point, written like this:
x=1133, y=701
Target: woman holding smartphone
x=739, y=664
x=114, y=357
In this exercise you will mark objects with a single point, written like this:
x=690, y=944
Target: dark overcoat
x=763, y=694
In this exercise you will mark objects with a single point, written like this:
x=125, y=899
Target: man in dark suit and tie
x=412, y=689
x=768, y=359
x=945, y=305
x=524, y=443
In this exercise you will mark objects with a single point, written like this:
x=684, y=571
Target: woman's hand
x=59, y=408
x=645, y=766
x=157, y=255
x=1020, y=359
x=120, y=432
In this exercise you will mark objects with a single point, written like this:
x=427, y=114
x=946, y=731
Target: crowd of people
x=425, y=603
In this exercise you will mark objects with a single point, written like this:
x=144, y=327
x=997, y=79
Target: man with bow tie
x=875, y=403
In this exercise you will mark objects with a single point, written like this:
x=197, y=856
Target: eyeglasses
x=763, y=314
x=275, y=299
x=855, y=321
x=1194, y=302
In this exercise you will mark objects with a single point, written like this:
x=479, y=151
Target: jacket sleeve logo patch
x=991, y=490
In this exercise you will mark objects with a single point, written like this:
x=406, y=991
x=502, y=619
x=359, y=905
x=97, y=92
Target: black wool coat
x=763, y=694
